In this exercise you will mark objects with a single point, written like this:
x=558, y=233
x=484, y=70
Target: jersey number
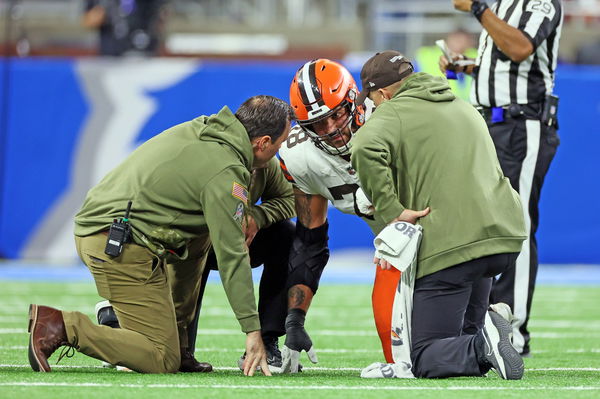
x=540, y=5
x=338, y=192
x=296, y=138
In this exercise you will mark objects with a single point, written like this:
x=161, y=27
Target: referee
x=512, y=89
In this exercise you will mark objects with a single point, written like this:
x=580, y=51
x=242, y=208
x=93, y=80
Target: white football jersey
x=331, y=176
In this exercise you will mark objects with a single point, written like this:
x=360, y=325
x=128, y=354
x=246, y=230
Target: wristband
x=478, y=8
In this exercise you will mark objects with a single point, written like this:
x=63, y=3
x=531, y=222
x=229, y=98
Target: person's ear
x=261, y=142
x=384, y=94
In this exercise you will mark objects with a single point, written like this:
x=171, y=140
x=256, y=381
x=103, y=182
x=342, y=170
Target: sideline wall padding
x=70, y=121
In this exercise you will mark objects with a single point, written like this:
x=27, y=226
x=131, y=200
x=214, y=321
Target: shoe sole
x=509, y=365
x=34, y=362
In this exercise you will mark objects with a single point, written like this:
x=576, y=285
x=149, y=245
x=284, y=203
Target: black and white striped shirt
x=500, y=81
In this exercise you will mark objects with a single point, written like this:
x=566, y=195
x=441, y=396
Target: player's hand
x=250, y=229
x=462, y=5
x=363, y=203
x=296, y=341
x=256, y=355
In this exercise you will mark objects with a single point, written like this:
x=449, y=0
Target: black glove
x=296, y=341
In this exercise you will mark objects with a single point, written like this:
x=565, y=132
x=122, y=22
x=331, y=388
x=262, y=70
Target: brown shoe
x=189, y=364
x=47, y=334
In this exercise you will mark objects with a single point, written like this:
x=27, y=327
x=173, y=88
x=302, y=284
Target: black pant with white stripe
x=525, y=150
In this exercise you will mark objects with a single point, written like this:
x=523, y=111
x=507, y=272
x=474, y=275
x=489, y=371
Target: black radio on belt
x=118, y=234
x=550, y=110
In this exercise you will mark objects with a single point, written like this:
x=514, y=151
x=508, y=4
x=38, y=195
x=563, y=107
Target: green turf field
x=565, y=363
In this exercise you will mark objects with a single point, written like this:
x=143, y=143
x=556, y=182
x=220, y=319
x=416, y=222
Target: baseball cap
x=382, y=70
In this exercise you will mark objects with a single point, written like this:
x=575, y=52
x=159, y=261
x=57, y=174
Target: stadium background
x=67, y=117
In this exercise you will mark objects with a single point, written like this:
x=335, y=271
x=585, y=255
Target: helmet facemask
x=320, y=89
x=322, y=141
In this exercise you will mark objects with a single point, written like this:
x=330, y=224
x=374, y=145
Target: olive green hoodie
x=188, y=180
x=426, y=148
x=276, y=194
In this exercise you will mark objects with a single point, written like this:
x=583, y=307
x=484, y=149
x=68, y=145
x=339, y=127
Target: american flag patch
x=240, y=192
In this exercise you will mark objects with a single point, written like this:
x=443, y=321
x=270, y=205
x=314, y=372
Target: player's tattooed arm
x=311, y=209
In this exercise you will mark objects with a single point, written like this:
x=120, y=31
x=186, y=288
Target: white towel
x=399, y=243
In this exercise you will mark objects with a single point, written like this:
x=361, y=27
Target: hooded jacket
x=184, y=182
x=427, y=148
x=276, y=194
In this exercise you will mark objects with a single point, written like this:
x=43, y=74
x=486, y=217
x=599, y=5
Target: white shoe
x=503, y=310
x=387, y=370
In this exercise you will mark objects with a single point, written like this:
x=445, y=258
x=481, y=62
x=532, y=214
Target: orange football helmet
x=320, y=88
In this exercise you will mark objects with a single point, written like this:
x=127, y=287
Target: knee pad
x=308, y=256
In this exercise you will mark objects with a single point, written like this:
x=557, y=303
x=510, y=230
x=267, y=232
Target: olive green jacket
x=426, y=148
x=188, y=180
x=275, y=192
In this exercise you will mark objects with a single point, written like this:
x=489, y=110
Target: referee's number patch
x=543, y=6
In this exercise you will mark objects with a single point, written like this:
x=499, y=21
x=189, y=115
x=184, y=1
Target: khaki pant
x=136, y=285
x=185, y=278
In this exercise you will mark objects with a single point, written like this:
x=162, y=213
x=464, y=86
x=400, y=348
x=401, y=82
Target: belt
x=512, y=111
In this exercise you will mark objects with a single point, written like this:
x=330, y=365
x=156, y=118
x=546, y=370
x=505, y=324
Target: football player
x=316, y=159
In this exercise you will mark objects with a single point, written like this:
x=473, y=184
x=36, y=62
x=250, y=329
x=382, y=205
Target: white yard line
x=240, y=350
x=346, y=333
x=303, y=387
x=13, y=330
x=13, y=319
x=337, y=350
x=546, y=323
x=564, y=369
x=62, y=366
